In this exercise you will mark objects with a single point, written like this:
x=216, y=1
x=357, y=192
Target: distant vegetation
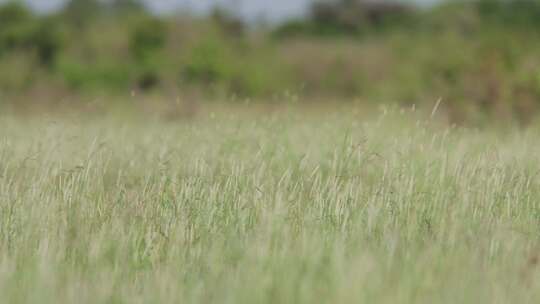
x=480, y=57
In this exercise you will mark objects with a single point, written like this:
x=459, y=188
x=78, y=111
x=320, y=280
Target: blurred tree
x=148, y=36
x=20, y=30
x=342, y=16
x=228, y=23
x=351, y=17
x=13, y=13
x=16, y=26
x=126, y=6
x=522, y=13
x=47, y=40
x=81, y=12
x=209, y=62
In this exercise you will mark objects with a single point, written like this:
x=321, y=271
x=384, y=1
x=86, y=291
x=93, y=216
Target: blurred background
x=480, y=58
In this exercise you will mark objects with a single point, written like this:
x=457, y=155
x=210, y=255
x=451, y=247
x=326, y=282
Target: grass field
x=276, y=207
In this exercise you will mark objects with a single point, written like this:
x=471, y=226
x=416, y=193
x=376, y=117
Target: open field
x=268, y=208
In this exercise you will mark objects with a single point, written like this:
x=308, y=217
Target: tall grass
x=276, y=208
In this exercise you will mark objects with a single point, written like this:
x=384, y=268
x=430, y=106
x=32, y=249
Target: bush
x=520, y=13
x=231, y=26
x=146, y=38
x=47, y=40
x=108, y=76
x=208, y=63
x=17, y=26
x=20, y=31
x=350, y=17
x=80, y=13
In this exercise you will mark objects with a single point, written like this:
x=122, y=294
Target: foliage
x=351, y=17
x=147, y=37
x=478, y=56
x=16, y=27
x=516, y=13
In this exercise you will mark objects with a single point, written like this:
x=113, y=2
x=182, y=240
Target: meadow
x=268, y=206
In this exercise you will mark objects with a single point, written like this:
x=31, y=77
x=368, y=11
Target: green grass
x=282, y=207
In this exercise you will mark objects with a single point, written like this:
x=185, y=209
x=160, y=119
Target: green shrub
x=17, y=26
x=20, y=31
x=521, y=13
x=80, y=13
x=47, y=40
x=108, y=76
x=209, y=62
x=146, y=38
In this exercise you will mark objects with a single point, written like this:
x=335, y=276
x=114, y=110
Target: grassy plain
x=273, y=207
